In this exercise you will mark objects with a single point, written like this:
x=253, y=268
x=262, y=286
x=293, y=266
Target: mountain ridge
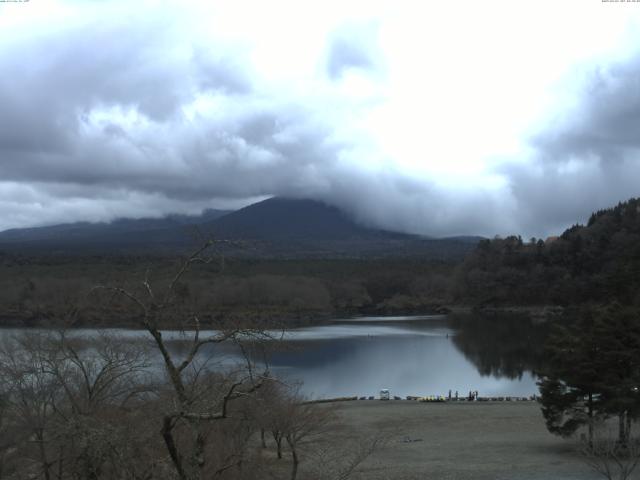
x=277, y=226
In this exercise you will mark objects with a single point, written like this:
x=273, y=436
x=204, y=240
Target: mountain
x=284, y=218
x=120, y=234
x=274, y=227
x=308, y=228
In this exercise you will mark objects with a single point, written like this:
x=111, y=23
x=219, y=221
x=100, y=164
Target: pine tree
x=618, y=332
x=570, y=384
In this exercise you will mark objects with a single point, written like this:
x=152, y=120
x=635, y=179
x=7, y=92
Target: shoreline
x=289, y=321
x=429, y=399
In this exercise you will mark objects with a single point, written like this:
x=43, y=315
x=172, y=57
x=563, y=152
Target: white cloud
x=437, y=118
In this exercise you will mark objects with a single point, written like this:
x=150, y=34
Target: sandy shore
x=480, y=441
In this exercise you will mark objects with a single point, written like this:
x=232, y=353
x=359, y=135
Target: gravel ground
x=455, y=441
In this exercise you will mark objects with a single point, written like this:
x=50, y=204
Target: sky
x=487, y=117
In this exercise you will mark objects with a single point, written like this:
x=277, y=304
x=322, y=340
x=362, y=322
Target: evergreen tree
x=569, y=386
x=593, y=370
x=618, y=330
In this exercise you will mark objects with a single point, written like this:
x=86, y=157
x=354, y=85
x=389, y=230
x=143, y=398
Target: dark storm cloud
x=55, y=78
x=587, y=158
x=58, y=80
x=96, y=112
x=237, y=157
x=606, y=123
x=397, y=202
x=100, y=120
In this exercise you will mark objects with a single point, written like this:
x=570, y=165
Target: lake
x=407, y=355
x=417, y=355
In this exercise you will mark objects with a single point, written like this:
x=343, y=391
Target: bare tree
x=31, y=398
x=100, y=377
x=609, y=457
x=7, y=433
x=95, y=407
x=66, y=404
x=305, y=421
x=194, y=400
x=308, y=430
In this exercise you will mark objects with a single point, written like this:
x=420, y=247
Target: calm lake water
x=418, y=355
x=407, y=355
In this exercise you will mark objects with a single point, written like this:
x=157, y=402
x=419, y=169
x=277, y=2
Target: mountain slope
x=274, y=227
x=117, y=233
x=284, y=218
x=307, y=228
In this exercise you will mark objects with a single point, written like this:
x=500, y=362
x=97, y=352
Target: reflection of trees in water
x=500, y=345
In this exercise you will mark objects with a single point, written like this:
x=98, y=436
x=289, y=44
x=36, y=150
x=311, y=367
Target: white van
x=384, y=394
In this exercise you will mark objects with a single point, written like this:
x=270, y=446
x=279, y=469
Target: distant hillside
x=308, y=228
x=284, y=218
x=276, y=227
x=118, y=235
x=597, y=262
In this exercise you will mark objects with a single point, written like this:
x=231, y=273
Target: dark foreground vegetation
x=103, y=407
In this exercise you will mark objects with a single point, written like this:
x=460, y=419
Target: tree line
x=293, y=291
x=598, y=262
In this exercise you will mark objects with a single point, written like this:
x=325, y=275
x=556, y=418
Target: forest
x=294, y=291
x=594, y=263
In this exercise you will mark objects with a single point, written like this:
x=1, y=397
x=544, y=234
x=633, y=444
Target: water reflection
x=427, y=355
x=502, y=345
x=408, y=355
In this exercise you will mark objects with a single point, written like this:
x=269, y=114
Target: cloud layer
x=117, y=112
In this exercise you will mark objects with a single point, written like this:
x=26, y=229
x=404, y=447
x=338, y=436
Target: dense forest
x=596, y=263
x=39, y=290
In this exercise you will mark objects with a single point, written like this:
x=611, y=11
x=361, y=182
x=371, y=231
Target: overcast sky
x=467, y=117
